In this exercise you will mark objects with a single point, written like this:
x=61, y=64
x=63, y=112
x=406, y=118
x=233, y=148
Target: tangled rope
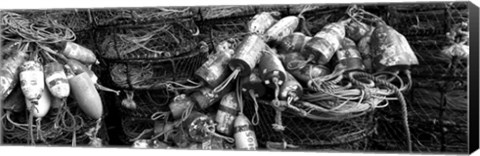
x=18, y=28
x=352, y=76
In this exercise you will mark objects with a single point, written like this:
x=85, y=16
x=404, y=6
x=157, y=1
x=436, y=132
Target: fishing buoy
x=271, y=70
x=227, y=111
x=365, y=51
x=179, y=105
x=246, y=57
x=56, y=80
x=253, y=82
x=41, y=108
x=87, y=97
x=309, y=72
x=325, y=43
x=195, y=126
x=294, y=42
x=215, y=69
x=9, y=73
x=205, y=97
x=245, y=138
x=281, y=29
x=32, y=80
x=356, y=30
x=291, y=90
x=75, y=51
x=349, y=56
x=391, y=50
x=261, y=22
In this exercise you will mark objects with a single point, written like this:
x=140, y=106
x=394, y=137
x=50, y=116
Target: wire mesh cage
x=150, y=47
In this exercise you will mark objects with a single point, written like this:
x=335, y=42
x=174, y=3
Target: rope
x=400, y=97
x=158, y=115
x=8, y=115
x=239, y=97
x=299, y=63
x=356, y=13
x=225, y=83
x=30, y=127
x=103, y=88
x=277, y=126
x=182, y=86
x=211, y=130
x=256, y=117
x=44, y=30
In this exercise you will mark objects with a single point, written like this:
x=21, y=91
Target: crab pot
x=194, y=126
x=271, y=68
x=215, y=70
x=253, y=82
x=293, y=43
x=247, y=55
x=391, y=50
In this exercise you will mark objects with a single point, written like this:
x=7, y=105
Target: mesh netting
x=226, y=12
x=155, y=75
x=133, y=16
x=75, y=19
x=161, y=40
x=311, y=134
x=438, y=97
x=133, y=128
x=52, y=134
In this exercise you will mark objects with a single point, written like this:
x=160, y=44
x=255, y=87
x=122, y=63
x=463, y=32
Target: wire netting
x=53, y=132
x=311, y=134
x=438, y=97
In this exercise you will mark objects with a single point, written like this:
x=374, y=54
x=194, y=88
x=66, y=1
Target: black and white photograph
x=308, y=77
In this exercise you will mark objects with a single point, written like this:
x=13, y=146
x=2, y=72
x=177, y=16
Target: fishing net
x=225, y=12
x=116, y=17
x=133, y=128
x=78, y=20
x=438, y=97
x=53, y=132
x=310, y=134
